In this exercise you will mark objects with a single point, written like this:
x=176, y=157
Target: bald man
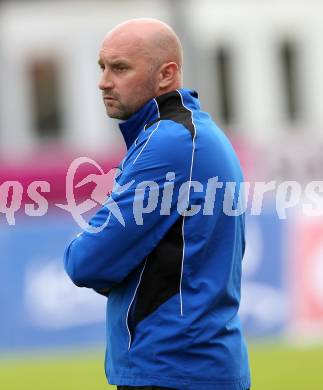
x=140, y=59
x=171, y=267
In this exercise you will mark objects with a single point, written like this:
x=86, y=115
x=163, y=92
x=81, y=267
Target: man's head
x=140, y=59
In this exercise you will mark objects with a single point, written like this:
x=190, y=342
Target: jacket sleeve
x=101, y=260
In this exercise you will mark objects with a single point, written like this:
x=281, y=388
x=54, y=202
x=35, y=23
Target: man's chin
x=113, y=114
x=116, y=114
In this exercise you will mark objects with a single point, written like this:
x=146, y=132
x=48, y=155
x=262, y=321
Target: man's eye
x=120, y=68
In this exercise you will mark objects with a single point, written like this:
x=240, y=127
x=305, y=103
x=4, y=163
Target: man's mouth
x=109, y=98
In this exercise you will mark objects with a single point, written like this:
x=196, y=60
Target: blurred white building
x=256, y=64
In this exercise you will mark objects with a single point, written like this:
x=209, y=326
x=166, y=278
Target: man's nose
x=105, y=81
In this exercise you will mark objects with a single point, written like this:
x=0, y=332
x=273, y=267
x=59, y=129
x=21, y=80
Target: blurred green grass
x=274, y=366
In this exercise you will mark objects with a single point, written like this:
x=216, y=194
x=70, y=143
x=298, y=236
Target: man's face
x=128, y=79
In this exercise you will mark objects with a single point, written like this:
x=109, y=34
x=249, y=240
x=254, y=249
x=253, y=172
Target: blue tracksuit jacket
x=171, y=266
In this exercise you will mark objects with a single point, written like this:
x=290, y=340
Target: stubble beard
x=145, y=93
x=121, y=112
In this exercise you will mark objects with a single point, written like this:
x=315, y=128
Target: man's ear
x=167, y=74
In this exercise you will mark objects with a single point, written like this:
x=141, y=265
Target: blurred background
x=257, y=66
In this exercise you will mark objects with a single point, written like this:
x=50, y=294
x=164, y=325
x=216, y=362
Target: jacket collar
x=153, y=111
